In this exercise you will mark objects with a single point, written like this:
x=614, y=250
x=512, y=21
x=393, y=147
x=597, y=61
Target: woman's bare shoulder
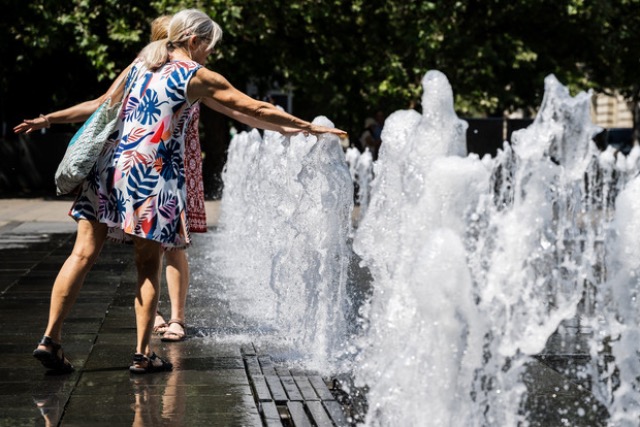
x=207, y=76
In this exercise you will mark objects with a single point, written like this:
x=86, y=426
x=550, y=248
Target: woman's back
x=142, y=180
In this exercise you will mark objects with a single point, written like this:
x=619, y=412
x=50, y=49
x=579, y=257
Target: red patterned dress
x=197, y=217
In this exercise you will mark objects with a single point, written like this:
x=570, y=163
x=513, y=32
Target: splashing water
x=477, y=265
x=422, y=291
x=615, y=318
x=477, y=262
x=361, y=169
x=282, y=244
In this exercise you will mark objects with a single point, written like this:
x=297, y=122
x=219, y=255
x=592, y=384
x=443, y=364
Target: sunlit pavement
x=212, y=384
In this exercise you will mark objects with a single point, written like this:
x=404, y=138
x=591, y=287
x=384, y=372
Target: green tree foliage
x=344, y=59
x=107, y=33
x=59, y=52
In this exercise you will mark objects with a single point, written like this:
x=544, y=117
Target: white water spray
x=361, y=169
x=282, y=247
x=476, y=263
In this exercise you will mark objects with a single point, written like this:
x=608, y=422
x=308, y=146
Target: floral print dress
x=137, y=186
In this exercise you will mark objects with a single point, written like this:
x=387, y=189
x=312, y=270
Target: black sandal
x=144, y=364
x=54, y=359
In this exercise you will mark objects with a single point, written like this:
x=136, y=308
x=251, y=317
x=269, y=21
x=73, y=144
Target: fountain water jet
x=476, y=263
x=282, y=244
x=479, y=265
x=422, y=291
x=361, y=169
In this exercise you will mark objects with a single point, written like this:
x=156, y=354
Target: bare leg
x=89, y=242
x=148, y=256
x=87, y=247
x=177, y=272
x=159, y=324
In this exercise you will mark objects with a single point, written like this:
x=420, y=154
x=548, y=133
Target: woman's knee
x=89, y=242
x=84, y=256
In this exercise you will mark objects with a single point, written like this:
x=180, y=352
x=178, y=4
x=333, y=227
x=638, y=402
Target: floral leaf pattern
x=134, y=136
x=167, y=204
x=171, y=157
x=141, y=184
x=147, y=220
x=138, y=185
x=149, y=109
x=130, y=106
x=85, y=204
x=132, y=157
x=176, y=82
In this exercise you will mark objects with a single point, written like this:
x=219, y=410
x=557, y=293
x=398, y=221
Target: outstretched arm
x=77, y=113
x=248, y=120
x=208, y=84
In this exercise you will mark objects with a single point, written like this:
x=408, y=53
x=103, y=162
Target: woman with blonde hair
x=136, y=190
x=177, y=266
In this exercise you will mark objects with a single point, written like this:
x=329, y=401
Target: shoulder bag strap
x=131, y=75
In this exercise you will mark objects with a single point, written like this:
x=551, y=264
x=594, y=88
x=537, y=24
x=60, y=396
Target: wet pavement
x=214, y=383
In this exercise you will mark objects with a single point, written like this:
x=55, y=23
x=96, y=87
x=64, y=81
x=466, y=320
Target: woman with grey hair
x=136, y=190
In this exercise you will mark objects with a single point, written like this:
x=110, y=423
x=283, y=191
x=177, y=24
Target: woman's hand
x=288, y=131
x=29, y=126
x=317, y=130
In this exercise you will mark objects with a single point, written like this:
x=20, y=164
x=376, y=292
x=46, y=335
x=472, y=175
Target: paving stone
x=320, y=387
x=305, y=387
x=276, y=388
x=270, y=414
x=298, y=415
x=318, y=413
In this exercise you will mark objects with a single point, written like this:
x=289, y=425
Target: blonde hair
x=183, y=25
x=160, y=27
